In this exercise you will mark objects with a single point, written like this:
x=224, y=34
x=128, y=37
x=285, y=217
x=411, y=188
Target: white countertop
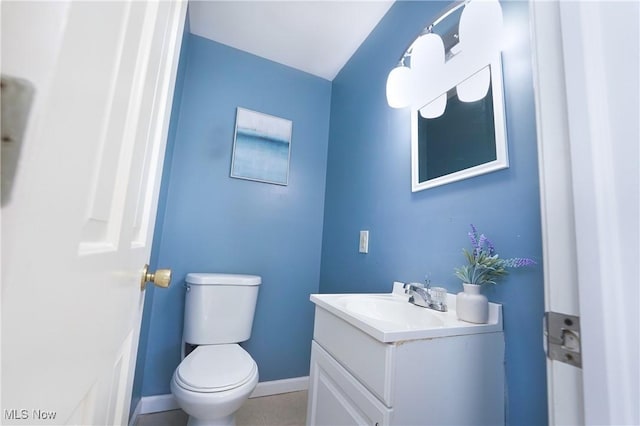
x=389, y=317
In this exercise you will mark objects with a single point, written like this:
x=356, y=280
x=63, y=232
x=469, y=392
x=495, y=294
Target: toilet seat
x=215, y=368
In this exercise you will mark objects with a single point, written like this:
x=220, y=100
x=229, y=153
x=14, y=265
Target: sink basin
x=396, y=311
x=389, y=317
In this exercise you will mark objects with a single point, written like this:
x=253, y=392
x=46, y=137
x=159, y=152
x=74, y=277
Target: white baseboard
x=275, y=387
x=157, y=403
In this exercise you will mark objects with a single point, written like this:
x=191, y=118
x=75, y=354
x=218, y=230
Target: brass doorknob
x=161, y=277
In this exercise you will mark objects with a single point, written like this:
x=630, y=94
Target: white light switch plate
x=364, y=241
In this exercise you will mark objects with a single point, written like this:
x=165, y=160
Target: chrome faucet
x=421, y=296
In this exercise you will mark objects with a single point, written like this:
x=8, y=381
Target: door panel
x=600, y=47
x=115, y=106
x=587, y=109
x=564, y=382
x=78, y=227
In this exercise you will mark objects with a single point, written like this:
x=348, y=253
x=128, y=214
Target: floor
x=287, y=409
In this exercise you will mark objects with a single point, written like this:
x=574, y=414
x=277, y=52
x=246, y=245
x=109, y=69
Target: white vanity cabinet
x=356, y=379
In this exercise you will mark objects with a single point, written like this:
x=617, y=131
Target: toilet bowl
x=212, y=382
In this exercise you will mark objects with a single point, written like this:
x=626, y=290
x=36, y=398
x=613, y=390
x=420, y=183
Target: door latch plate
x=563, y=338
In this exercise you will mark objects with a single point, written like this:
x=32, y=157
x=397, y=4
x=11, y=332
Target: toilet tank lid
x=223, y=279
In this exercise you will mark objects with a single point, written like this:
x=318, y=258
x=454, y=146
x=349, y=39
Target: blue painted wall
x=213, y=223
x=412, y=234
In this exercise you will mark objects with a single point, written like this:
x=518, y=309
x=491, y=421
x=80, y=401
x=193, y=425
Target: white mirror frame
x=502, y=157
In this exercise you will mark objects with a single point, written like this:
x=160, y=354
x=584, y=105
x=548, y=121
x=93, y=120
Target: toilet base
x=214, y=408
x=222, y=421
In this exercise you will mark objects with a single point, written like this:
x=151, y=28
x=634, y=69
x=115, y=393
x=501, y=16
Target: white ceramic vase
x=471, y=306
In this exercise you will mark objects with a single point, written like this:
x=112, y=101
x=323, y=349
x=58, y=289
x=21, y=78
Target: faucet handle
x=409, y=288
x=427, y=280
x=413, y=285
x=438, y=296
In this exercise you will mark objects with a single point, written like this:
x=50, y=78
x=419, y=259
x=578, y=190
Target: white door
x=78, y=213
x=586, y=57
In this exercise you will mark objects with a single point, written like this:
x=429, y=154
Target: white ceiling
x=317, y=37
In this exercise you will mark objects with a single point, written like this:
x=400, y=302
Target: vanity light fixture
x=426, y=70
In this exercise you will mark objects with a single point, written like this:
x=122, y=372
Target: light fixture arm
x=429, y=28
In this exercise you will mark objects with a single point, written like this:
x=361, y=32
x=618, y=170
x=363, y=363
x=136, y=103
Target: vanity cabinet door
x=347, y=344
x=336, y=398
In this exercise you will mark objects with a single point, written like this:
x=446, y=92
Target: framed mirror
x=468, y=140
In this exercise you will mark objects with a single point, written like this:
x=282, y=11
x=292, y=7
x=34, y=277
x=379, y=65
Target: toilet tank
x=219, y=308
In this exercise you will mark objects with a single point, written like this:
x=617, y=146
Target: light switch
x=364, y=241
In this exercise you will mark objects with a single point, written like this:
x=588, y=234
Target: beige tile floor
x=287, y=409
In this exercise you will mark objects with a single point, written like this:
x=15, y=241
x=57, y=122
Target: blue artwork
x=262, y=147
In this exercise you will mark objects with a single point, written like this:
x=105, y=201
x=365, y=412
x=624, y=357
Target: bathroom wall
x=213, y=223
x=414, y=234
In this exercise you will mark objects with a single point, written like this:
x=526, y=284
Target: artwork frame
x=261, y=147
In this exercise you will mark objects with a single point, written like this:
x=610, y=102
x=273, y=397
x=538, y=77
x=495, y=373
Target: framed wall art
x=261, y=147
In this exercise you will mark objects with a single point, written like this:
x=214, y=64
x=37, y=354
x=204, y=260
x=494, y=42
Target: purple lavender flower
x=473, y=237
x=492, y=249
x=518, y=262
x=482, y=241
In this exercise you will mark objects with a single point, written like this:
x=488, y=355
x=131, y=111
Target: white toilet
x=217, y=377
